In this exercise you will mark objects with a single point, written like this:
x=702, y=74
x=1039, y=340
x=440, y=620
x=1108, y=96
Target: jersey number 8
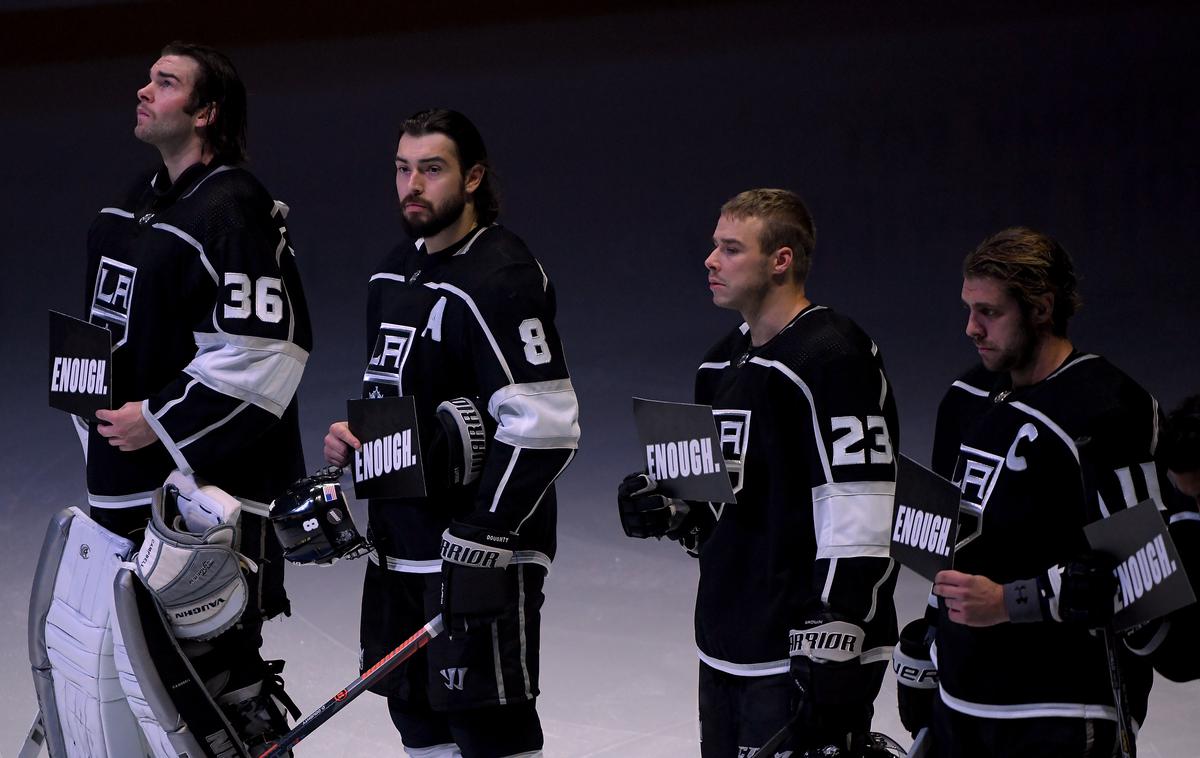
x=533, y=335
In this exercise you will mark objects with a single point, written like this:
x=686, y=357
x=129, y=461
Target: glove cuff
x=474, y=546
x=830, y=642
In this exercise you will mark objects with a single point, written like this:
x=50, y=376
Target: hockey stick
x=385, y=666
x=771, y=746
x=32, y=747
x=1120, y=697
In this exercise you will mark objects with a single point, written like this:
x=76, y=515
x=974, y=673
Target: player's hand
x=1088, y=590
x=338, y=444
x=126, y=428
x=476, y=587
x=971, y=599
x=645, y=512
x=916, y=676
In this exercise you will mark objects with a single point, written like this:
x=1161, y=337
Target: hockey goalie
x=138, y=651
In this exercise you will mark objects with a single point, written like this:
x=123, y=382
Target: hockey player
x=794, y=611
x=1042, y=439
x=193, y=274
x=1180, y=447
x=465, y=311
x=1171, y=643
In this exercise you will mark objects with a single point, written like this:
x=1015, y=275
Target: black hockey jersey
x=197, y=282
x=474, y=320
x=1035, y=465
x=809, y=430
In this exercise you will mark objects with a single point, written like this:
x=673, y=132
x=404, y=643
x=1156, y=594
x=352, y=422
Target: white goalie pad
x=83, y=708
x=195, y=575
x=174, y=710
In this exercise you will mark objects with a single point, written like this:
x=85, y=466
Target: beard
x=439, y=216
x=1017, y=355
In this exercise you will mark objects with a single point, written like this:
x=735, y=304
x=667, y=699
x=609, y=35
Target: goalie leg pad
x=71, y=644
x=173, y=707
x=196, y=577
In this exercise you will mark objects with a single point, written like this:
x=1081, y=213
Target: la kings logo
x=113, y=297
x=386, y=366
x=733, y=431
x=978, y=473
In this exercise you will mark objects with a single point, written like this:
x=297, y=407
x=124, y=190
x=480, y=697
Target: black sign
x=682, y=450
x=80, y=366
x=925, y=519
x=1151, y=581
x=389, y=463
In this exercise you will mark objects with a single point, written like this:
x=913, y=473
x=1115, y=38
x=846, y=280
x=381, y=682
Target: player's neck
x=1049, y=354
x=453, y=233
x=179, y=158
x=775, y=311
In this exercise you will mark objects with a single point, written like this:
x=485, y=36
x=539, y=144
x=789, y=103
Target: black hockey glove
x=916, y=677
x=474, y=581
x=645, y=512
x=1088, y=590
x=834, y=688
x=460, y=442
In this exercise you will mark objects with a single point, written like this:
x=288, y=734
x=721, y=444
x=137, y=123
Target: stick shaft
x=385, y=666
x=1124, y=726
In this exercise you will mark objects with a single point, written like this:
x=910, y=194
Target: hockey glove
x=645, y=512
x=835, y=688
x=1088, y=590
x=474, y=586
x=460, y=442
x=916, y=676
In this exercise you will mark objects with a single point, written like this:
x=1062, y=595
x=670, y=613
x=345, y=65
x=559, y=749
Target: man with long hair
x=461, y=318
x=194, y=274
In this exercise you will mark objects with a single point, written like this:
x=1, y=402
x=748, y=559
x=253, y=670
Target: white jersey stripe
x=769, y=668
x=512, y=463
x=1030, y=710
x=818, y=437
x=389, y=277
x=1058, y=430
x=541, y=415
x=1125, y=477
x=853, y=518
x=875, y=591
x=181, y=234
x=241, y=407
x=570, y=457
x=968, y=388
x=1150, y=472
x=487, y=332
x=117, y=212
x=833, y=562
x=121, y=501
x=214, y=172
x=172, y=403
x=716, y=366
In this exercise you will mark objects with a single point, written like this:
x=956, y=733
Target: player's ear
x=781, y=260
x=475, y=177
x=1042, y=308
x=206, y=115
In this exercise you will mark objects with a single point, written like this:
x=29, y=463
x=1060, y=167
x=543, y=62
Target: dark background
x=617, y=131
